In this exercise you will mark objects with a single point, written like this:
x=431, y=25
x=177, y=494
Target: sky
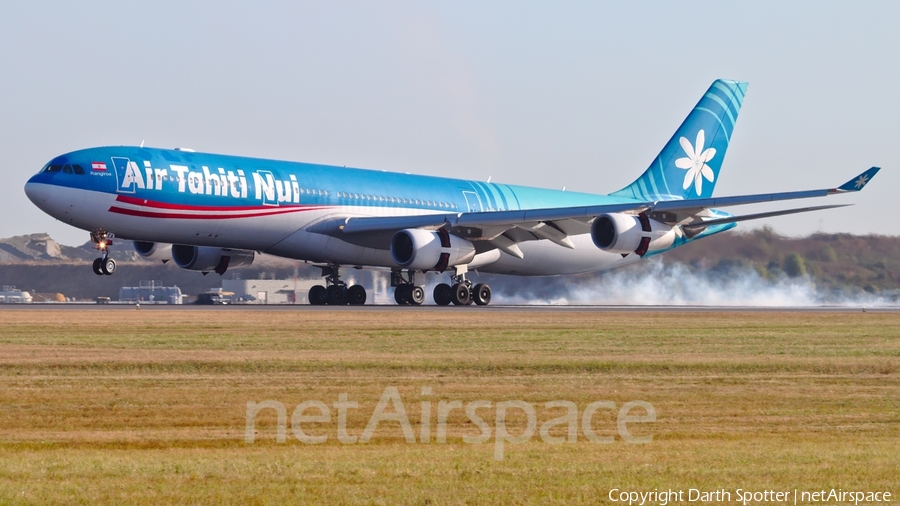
x=548, y=94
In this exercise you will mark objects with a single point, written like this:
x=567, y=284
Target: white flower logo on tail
x=695, y=162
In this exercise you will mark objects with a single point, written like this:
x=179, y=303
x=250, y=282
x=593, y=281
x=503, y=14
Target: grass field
x=150, y=407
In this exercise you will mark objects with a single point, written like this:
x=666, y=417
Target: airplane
x=208, y=212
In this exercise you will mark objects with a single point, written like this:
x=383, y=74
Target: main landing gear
x=102, y=241
x=406, y=290
x=336, y=292
x=462, y=293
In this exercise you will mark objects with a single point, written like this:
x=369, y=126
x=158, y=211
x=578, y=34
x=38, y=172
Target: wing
x=504, y=229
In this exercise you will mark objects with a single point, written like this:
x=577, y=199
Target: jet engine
x=154, y=250
x=626, y=233
x=205, y=258
x=430, y=250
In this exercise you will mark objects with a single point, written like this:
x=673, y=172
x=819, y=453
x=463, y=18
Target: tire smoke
x=654, y=282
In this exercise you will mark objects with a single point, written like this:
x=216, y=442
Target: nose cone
x=38, y=193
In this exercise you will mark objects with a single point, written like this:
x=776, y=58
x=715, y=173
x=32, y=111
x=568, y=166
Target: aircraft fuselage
x=199, y=199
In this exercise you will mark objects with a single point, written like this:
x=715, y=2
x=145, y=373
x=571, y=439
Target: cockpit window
x=67, y=169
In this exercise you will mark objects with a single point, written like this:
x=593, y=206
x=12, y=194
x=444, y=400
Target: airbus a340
x=209, y=212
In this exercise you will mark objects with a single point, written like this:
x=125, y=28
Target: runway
x=432, y=308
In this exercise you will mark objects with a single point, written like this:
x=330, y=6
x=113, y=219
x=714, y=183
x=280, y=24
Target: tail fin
x=688, y=166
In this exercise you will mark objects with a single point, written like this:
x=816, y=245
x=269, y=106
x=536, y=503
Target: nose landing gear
x=102, y=241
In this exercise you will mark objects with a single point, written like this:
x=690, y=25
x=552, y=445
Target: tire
x=401, y=294
x=98, y=266
x=317, y=295
x=461, y=294
x=108, y=266
x=356, y=295
x=481, y=295
x=443, y=294
x=417, y=295
x=335, y=295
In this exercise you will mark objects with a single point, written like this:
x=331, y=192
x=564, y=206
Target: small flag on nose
x=98, y=166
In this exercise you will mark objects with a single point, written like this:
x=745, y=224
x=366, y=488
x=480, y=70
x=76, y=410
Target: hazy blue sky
x=551, y=94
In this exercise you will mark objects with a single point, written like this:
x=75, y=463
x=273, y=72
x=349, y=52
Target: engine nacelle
x=626, y=233
x=430, y=250
x=154, y=250
x=204, y=258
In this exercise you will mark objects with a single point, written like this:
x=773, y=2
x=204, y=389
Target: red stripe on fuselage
x=185, y=207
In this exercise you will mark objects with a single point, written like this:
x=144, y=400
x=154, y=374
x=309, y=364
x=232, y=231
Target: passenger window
x=78, y=169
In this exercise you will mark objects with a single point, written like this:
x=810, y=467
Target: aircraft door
x=473, y=203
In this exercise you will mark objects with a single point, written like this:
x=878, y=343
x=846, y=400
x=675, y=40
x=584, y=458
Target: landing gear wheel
x=335, y=295
x=443, y=294
x=461, y=294
x=102, y=241
x=401, y=294
x=481, y=295
x=318, y=296
x=108, y=266
x=416, y=295
x=98, y=266
x=356, y=296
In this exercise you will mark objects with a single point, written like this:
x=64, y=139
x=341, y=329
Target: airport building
x=12, y=295
x=270, y=291
x=296, y=291
x=151, y=292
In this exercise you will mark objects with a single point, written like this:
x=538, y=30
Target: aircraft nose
x=36, y=192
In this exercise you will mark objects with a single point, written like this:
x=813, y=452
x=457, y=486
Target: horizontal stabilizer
x=747, y=217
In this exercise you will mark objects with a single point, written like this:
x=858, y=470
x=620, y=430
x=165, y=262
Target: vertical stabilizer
x=688, y=166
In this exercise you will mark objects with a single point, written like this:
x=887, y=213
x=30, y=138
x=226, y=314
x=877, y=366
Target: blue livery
x=208, y=212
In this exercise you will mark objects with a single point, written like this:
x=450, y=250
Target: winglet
x=859, y=182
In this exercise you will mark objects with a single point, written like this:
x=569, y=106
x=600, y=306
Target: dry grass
x=149, y=407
